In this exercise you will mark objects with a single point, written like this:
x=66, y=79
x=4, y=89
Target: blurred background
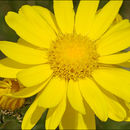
x=12, y=120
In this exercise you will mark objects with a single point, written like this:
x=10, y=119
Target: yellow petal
x=52, y=94
x=22, y=54
x=115, y=42
x=64, y=14
x=54, y=115
x=25, y=43
x=115, y=59
x=94, y=97
x=32, y=14
x=104, y=19
x=34, y=75
x=24, y=29
x=32, y=115
x=9, y=68
x=87, y=121
x=30, y=26
x=114, y=80
x=48, y=16
x=116, y=111
x=74, y=97
x=27, y=92
x=85, y=15
x=74, y=120
x=124, y=24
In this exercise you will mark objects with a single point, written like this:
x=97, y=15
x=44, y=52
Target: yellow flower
x=8, y=86
x=71, y=60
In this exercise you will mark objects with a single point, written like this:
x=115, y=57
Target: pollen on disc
x=72, y=57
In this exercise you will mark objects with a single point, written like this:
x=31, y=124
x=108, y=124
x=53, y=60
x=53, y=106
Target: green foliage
x=112, y=125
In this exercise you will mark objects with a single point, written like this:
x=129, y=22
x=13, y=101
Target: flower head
x=73, y=57
x=71, y=60
x=8, y=86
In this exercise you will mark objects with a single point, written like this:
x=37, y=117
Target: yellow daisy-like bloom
x=72, y=61
x=8, y=86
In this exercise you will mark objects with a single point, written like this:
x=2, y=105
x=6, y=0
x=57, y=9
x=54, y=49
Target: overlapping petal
x=9, y=68
x=25, y=43
x=85, y=16
x=32, y=115
x=30, y=26
x=94, y=97
x=114, y=80
x=48, y=16
x=124, y=24
x=53, y=93
x=74, y=120
x=115, y=59
x=34, y=75
x=116, y=111
x=27, y=91
x=54, y=115
x=104, y=19
x=114, y=43
x=23, y=54
x=75, y=97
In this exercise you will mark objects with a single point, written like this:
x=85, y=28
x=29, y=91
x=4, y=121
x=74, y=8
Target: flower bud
x=9, y=103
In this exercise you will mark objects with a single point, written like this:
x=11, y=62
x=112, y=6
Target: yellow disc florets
x=73, y=57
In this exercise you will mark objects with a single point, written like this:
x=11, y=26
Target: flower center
x=73, y=57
